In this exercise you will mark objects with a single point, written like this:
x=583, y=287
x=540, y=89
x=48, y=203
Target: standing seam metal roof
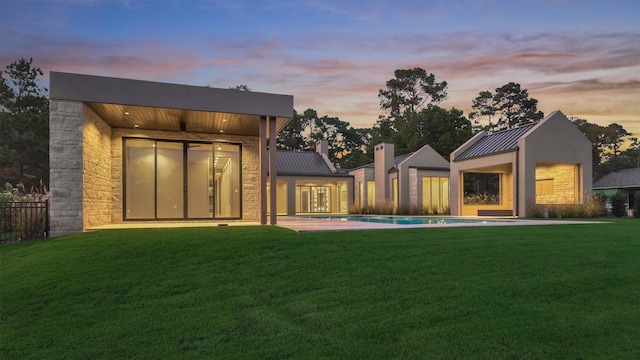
x=301, y=163
x=497, y=142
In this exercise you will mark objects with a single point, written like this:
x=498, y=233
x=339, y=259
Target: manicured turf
x=544, y=292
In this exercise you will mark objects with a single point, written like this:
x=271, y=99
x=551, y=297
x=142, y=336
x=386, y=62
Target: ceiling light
x=136, y=126
x=223, y=120
x=126, y=113
x=221, y=130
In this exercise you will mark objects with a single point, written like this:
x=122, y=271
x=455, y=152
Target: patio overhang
x=126, y=103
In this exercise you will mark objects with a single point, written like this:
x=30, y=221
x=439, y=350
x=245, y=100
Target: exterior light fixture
x=136, y=126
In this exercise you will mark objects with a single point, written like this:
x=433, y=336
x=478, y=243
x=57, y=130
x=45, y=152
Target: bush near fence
x=24, y=215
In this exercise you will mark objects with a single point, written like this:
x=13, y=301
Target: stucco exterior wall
x=425, y=157
x=361, y=176
x=504, y=163
x=554, y=140
x=66, y=166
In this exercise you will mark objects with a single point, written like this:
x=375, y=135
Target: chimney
x=322, y=147
x=383, y=162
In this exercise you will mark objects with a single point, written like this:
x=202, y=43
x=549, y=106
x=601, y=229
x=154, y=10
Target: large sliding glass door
x=181, y=180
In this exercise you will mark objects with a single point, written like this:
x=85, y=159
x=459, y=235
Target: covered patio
x=127, y=150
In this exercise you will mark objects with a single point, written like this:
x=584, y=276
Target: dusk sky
x=580, y=57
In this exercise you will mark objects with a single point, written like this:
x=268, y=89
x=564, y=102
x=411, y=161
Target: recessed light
x=136, y=126
x=126, y=113
x=221, y=130
x=223, y=120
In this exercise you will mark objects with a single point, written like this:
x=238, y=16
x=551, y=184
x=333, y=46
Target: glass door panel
x=139, y=179
x=200, y=181
x=170, y=180
x=226, y=189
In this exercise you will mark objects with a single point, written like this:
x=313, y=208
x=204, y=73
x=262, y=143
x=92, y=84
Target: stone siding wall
x=250, y=166
x=96, y=186
x=565, y=188
x=65, y=162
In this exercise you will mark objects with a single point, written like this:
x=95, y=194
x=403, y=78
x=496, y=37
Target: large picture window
x=181, y=180
x=482, y=188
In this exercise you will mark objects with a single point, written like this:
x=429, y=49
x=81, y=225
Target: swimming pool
x=410, y=220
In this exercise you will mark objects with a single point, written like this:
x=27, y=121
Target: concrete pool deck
x=305, y=224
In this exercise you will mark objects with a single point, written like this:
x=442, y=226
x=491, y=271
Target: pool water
x=411, y=220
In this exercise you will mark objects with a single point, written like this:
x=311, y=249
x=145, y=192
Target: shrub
x=618, y=204
x=24, y=214
x=636, y=204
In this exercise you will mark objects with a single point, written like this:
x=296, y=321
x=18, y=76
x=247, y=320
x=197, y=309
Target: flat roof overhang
x=127, y=103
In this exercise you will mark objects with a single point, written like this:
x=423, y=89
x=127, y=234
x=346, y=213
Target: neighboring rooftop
x=302, y=163
x=627, y=178
x=497, y=142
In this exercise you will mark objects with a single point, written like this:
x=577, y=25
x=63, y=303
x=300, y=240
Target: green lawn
x=526, y=292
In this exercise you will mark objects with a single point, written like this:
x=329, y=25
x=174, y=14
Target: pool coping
x=308, y=224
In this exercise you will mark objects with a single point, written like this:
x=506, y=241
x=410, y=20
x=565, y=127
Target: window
x=371, y=193
x=481, y=188
x=435, y=194
x=313, y=199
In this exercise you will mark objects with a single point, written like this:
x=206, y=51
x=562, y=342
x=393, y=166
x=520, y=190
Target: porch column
x=264, y=163
x=272, y=169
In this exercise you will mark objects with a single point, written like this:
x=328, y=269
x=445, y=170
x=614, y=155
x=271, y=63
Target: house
x=128, y=150
x=626, y=181
x=509, y=172
x=308, y=183
x=414, y=181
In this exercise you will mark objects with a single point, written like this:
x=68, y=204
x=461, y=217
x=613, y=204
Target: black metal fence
x=24, y=220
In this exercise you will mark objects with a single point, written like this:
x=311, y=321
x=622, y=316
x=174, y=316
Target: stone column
x=65, y=163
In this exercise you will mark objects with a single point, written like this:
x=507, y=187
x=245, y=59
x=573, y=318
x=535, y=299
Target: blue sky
x=581, y=57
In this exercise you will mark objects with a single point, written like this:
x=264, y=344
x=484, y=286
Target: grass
x=544, y=292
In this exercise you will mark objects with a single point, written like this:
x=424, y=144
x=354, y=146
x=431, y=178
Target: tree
x=607, y=142
x=511, y=104
x=305, y=129
x=24, y=115
x=241, y=87
x=411, y=90
x=444, y=130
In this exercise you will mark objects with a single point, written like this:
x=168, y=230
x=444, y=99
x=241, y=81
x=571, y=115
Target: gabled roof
x=302, y=163
x=627, y=178
x=396, y=161
x=497, y=142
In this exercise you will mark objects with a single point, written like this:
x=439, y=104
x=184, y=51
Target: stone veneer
x=565, y=188
x=97, y=175
x=65, y=163
x=86, y=167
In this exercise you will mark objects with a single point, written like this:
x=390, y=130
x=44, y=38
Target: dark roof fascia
x=486, y=155
x=101, y=89
x=430, y=168
x=314, y=175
